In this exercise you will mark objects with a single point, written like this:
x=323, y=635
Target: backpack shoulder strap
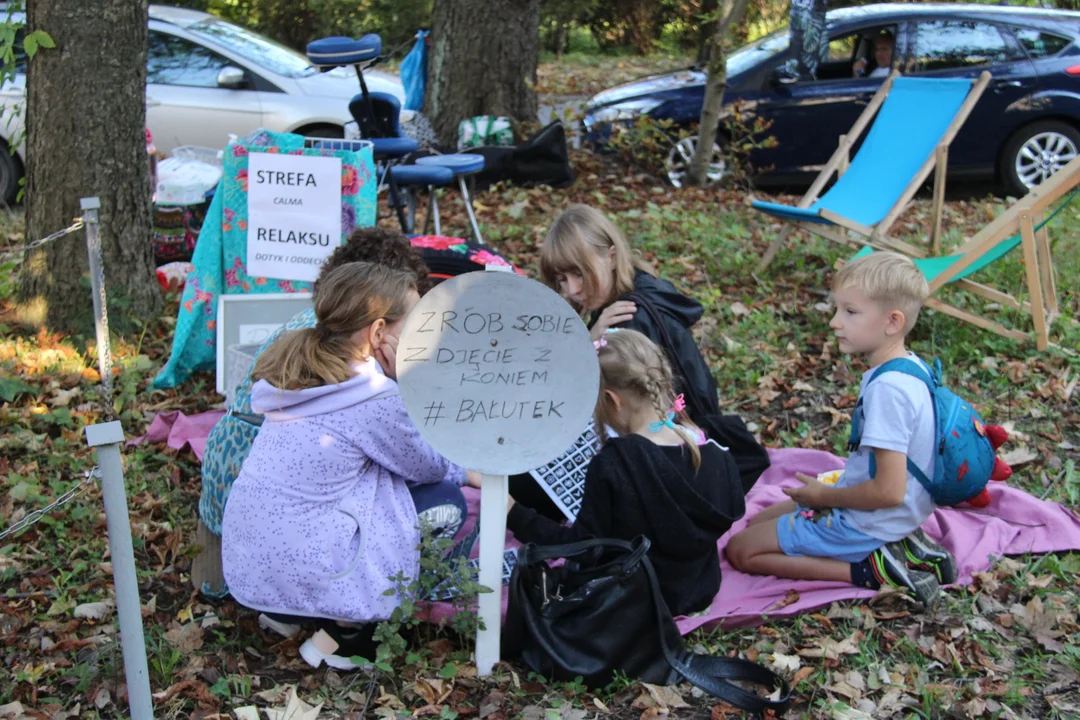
x=904, y=366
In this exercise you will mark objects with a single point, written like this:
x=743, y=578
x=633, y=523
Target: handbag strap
x=531, y=554
x=712, y=674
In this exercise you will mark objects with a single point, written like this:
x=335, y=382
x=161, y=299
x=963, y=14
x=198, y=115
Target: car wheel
x=324, y=131
x=10, y=172
x=682, y=153
x=1036, y=152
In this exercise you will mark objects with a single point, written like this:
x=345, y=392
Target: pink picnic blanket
x=178, y=430
x=1015, y=523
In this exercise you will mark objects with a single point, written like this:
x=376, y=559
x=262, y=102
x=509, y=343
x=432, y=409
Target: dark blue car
x=1024, y=128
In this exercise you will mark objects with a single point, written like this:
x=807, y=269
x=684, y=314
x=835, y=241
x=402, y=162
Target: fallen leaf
x=801, y=675
x=248, y=712
x=843, y=712
x=92, y=611
x=63, y=398
x=12, y=710
x=433, y=690
x=785, y=663
x=185, y=637
x=102, y=698
x=295, y=709
x=655, y=696
x=790, y=598
x=830, y=649
x=1019, y=456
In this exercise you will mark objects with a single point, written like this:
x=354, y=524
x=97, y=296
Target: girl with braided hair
x=657, y=478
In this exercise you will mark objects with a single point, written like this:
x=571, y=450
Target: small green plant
x=646, y=142
x=408, y=618
x=747, y=133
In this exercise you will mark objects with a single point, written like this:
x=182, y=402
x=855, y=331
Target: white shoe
x=320, y=648
x=285, y=630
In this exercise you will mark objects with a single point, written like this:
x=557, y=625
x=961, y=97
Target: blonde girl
x=658, y=478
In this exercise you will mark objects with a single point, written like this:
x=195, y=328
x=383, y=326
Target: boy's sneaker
x=337, y=645
x=925, y=554
x=889, y=563
x=284, y=629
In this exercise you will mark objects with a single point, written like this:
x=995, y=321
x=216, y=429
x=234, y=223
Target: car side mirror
x=231, y=78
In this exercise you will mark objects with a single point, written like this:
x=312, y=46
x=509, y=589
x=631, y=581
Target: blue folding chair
x=918, y=119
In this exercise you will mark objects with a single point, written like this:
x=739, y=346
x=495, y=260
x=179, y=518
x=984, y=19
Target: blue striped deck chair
x=918, y=119
x=1022, y=225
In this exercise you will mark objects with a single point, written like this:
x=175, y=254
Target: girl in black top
x=657, y=478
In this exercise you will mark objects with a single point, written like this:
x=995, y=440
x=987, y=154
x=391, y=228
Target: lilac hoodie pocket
x=349, y=512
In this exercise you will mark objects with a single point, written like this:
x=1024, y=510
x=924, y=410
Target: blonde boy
x=866, y=530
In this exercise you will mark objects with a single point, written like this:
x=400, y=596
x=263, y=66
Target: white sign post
x=499, y=374
x=294, y=214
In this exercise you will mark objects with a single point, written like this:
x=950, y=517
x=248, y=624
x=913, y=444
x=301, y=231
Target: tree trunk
x=483, y=62
x=731, y=14
x=86, y=119
x=561, y=36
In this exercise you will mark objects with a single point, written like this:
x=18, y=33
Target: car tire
x=11, y=171
x=1037, y=151
x=677, y=164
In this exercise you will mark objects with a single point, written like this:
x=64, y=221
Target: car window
x=950, y=44
x=758, y=51
x=842, y=49
x=1040, y=44
x=254, y=47
x=172, y=60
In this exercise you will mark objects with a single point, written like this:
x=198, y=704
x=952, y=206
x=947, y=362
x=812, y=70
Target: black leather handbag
x=602, y=612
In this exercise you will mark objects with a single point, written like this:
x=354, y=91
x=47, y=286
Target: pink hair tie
x=597, y=344
x=679, y=404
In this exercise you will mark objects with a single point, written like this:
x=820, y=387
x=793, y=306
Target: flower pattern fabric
x=221, y=253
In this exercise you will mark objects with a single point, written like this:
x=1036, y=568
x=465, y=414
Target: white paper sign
x=294, y=214
x=497, y=371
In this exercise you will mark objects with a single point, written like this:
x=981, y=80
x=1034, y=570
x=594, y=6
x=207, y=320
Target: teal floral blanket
x=221, y=253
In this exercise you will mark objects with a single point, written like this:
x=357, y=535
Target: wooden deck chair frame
x=1021, y=218
x=877, y=236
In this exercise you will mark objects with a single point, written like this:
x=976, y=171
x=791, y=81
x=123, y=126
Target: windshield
x=254, y=47
x=750, y=55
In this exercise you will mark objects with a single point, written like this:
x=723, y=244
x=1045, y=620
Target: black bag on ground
x=602, y=612
x=542, y=159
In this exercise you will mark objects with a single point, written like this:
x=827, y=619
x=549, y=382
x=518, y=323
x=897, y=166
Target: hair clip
x=680, y=403
x=597, y=344
x=612, y=330
x=659, y=425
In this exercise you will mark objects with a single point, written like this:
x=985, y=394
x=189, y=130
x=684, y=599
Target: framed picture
x=251, y=320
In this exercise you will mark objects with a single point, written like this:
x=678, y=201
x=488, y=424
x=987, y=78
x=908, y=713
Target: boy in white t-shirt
x=866, y=528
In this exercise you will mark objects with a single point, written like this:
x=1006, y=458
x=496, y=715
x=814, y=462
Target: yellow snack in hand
x=830, y=478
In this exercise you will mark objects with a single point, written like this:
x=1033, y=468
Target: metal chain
x=76, y=225
x=91, y=475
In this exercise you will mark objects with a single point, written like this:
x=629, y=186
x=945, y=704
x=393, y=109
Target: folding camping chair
x=918, y=119
x=1023, y=224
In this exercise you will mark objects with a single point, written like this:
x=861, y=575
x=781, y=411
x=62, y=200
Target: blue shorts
x=829, y=536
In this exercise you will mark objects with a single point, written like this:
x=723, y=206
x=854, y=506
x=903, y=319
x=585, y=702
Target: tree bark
x=86, y=137
x=731, y=14
x=483, y=62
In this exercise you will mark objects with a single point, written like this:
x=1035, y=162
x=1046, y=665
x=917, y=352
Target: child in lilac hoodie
x=325, y=509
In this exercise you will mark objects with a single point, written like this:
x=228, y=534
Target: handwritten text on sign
x=294, y=214
x=497, y=371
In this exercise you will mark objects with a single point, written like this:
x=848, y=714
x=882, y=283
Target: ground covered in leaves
x=1004, y=647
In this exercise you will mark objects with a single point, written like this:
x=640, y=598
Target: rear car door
x=964, y=48
x=184, y=103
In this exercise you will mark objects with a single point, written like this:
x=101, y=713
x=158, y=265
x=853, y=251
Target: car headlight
x=628, y=110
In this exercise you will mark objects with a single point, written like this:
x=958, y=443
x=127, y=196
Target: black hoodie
x=677, y=313
x=636, y=487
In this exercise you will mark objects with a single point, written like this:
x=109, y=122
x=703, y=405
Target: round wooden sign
x=497, y=371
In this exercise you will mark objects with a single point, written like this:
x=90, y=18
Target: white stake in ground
x=499, y=374
x=105, y=439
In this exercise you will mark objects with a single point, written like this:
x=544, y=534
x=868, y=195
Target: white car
x=207, y=79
